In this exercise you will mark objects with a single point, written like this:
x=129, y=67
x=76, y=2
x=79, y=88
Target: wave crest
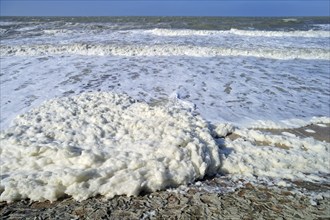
x=162, y=50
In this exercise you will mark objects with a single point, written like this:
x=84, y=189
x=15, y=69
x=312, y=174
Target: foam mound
x=102, y=144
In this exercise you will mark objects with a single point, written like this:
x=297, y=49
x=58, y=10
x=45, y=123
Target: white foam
x=288, y=134
x=181, y=32
x=102, y=143
x=57, y=31
x=162, y=50
x=305, y=159
x=5, y=23
x=250, y=33
x=288, y=123
x=244, y=91
x=297, y=34
x=177, y=98
x=109, y=144
x=310, y=131
x=290, y=20
x=23, y=29
x=223, y=129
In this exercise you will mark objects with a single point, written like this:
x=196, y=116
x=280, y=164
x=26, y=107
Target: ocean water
x=75, y=84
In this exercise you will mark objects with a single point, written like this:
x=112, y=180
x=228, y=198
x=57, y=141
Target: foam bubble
x=102, y=143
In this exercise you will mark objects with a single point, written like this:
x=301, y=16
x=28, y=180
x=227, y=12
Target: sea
x=196, y=73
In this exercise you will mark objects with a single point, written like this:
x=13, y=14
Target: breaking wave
x=162, y=50
x=252, y=33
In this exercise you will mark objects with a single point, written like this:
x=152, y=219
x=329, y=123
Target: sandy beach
x=247, y=202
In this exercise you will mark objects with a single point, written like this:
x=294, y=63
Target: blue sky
x=165, y=8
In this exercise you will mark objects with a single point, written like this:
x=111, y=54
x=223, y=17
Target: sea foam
x=102, y=144
x=279, y=156
x=109, y=144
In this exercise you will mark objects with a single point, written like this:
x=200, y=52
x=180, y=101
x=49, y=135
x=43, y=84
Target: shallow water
x=236, y=70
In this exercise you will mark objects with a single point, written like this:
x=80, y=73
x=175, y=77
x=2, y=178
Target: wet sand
x=248, y=202
x=320, y=132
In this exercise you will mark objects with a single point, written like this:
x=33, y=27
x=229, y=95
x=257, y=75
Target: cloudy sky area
x=165, y=8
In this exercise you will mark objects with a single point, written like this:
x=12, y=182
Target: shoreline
x=192, y=202
x=319, y=132
x=216, y=197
